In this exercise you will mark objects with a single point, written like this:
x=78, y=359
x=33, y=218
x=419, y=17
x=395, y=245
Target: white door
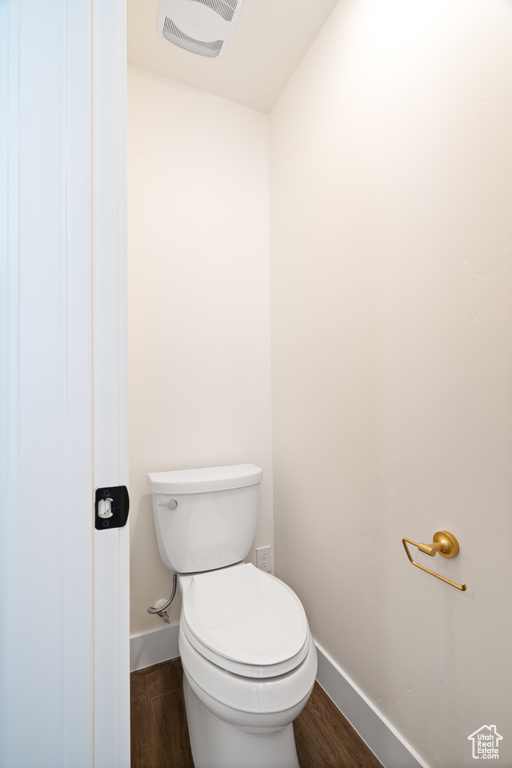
x=64, y=604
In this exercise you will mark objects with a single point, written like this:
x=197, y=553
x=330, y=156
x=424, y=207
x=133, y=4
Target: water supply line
x=162, y=610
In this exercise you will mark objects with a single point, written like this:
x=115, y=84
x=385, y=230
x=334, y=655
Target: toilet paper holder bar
x=446, y=544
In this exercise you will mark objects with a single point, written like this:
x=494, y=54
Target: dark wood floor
x=159, y=729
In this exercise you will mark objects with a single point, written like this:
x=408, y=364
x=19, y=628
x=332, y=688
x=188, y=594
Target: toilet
x=248, y=657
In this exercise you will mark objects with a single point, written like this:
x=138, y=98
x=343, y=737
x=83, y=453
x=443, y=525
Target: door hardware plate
x=119, y=507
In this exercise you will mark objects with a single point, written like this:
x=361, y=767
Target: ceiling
x=270, y=39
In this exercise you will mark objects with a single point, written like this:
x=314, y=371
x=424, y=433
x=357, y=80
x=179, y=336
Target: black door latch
x=111, y=507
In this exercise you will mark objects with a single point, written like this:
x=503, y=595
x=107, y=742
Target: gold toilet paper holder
x=446, y=544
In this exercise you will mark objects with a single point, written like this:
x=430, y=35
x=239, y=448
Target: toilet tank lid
x=180, y=481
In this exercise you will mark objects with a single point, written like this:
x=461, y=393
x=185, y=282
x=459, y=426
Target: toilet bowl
x=249, y=665
x=249, y=660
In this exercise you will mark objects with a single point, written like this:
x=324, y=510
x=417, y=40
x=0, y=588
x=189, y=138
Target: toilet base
x=217, y=743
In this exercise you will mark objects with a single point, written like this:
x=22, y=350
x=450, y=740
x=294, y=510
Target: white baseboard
x=154, y=646
x=381, y=737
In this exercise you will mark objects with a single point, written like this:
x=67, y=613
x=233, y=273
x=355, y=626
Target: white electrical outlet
x=264, y=558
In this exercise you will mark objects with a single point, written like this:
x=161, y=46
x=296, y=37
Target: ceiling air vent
x=200, y=26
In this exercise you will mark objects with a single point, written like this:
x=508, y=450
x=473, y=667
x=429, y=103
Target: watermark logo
x=486, y=743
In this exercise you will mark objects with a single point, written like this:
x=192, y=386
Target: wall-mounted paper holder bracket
x=446, y=544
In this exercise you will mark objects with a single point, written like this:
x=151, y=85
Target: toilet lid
x=246, y=617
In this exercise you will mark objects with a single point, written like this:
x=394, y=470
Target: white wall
x=199, y=305
x=391, y=287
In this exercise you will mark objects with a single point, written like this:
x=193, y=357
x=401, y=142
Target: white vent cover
x=199, y=26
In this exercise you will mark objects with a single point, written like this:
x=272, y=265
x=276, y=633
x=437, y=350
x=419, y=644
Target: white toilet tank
x=205, y=518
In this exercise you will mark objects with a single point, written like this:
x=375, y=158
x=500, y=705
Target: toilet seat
x=242, y=694
x=244, y=621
